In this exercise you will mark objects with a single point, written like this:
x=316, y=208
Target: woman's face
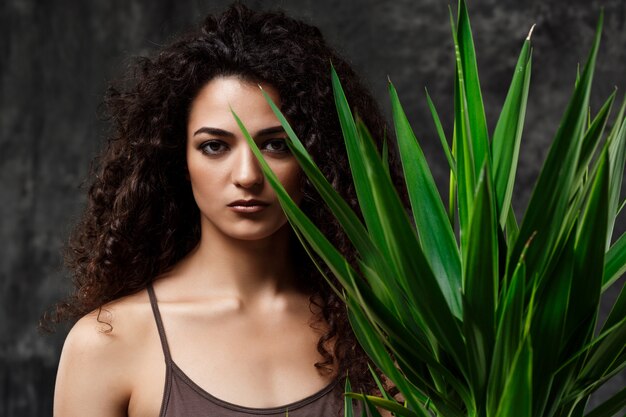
x=223, y=169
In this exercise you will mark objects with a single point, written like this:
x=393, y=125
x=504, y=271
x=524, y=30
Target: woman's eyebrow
x=213, y=131
x=270, y=130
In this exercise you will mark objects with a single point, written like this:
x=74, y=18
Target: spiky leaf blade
x=508, y=338
x=359, y=175
x=592, y=136
x=348, y=409
x=587, y=283
x=617, y=158
x=462, y=147
x=618, y=311
x=434, y=229
x=517, y=393
x=549, y=321
x=615, y=262
x=480, y=289
x=508, y=132
x=475, y=109
x=441, y=134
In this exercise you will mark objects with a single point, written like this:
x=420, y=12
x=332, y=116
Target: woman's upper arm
x=91, y=379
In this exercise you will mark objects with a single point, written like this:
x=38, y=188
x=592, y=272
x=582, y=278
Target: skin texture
x=237, y=283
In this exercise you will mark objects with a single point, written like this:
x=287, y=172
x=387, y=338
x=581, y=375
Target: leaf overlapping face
x=501, y=322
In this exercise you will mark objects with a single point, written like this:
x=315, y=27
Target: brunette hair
x=141, y=215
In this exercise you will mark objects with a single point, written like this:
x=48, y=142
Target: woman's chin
x=253, y=232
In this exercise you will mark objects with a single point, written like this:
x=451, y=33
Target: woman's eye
x=212, y=147
x=277, y=146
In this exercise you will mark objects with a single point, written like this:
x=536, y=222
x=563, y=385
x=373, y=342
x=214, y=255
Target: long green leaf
x=592, y=136
x=581, y=184
x=614, y=262
x=475, y=108
x=441, y=134
x=348, y=409
x=508, y=338
x=618, y=311
x=379, y=384
x=507, y=135
x=517, y=393
x=549, y=322
x=617, y=158
x=480, y=289
x=434, y=229
x=385, y=154
x=512, y=228
x=587, y=283
x=400, y=310
x=462, y=146
x=357, y=166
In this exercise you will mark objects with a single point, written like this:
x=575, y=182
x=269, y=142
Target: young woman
x=193, y=296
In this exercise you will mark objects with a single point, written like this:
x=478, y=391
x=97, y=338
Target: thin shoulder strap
x=159, y=322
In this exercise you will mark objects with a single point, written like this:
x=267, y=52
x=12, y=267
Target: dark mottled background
x=57, y=57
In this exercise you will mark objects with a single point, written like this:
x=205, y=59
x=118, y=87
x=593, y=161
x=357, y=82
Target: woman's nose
x=247, y=170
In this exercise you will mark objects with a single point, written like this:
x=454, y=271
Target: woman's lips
x=248, y=206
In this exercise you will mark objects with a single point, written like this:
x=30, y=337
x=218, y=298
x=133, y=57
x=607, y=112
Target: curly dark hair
x=137, y=222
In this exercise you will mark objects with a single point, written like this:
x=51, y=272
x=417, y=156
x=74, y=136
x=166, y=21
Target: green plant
x=502, y=321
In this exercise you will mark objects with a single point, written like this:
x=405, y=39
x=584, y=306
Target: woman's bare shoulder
x=115, y=325
x=96, y=363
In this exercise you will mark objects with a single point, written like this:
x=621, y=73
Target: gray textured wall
x=56, y=58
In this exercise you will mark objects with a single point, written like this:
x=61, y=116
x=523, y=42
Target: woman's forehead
x=221, y=96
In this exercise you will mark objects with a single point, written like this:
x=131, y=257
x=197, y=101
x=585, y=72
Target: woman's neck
x=251, y=270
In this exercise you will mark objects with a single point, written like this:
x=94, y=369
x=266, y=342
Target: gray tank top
x=184, y=398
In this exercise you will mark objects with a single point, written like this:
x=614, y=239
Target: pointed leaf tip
x=531, y=31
